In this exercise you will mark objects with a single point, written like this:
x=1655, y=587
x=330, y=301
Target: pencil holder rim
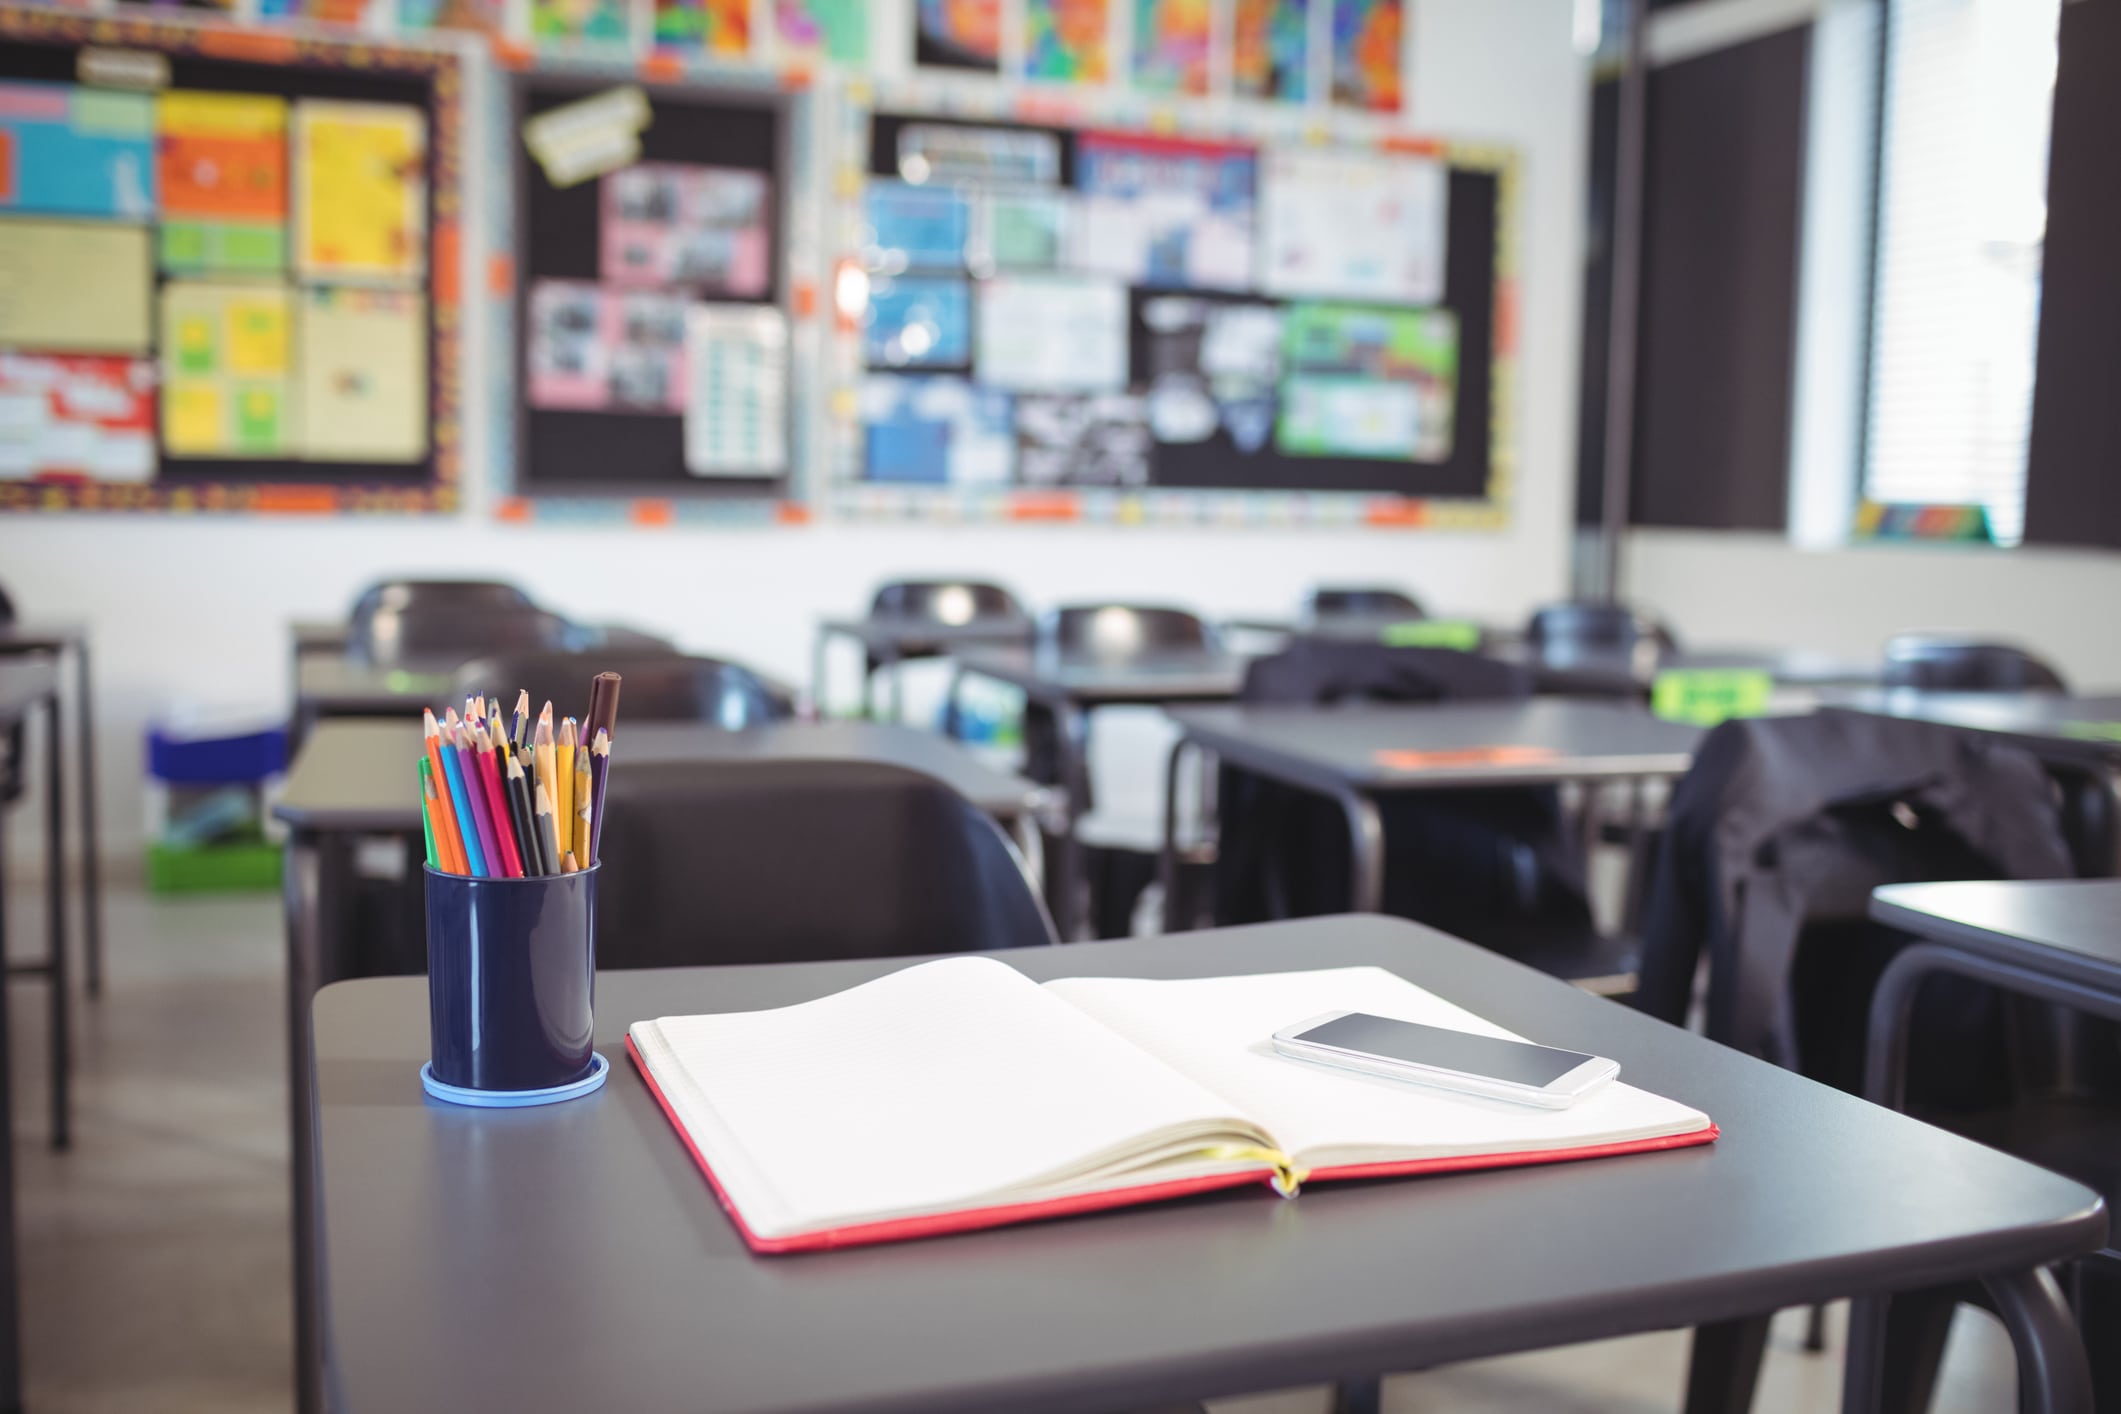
x=498, y=879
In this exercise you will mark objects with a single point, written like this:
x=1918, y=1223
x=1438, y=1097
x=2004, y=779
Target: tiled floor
x=155, y=1255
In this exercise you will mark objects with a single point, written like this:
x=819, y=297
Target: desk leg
x=1073, y=730
x=10, y=1325
x=1724, y=1367
x=1167, y=857
x=91, y=888
x=305, y=866
x=895, y=667
x=55, y=896
x=817, y=674
x=1366, y=851
x=1358, y=1396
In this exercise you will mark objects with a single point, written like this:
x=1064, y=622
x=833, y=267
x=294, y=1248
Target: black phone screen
x=1517, y=1062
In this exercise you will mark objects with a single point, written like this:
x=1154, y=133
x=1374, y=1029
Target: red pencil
x=490, y=782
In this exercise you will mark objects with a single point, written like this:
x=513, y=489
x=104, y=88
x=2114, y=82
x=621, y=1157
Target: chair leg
x=1895, y=1345
x=1724, y=1366
x=1359, y=1396
x=1815, y=1330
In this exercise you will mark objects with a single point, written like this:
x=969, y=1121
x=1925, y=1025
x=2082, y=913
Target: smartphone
x=1449, y=1060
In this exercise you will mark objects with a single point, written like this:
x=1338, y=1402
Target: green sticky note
x=1432, y=633
x=247, y=247
x=2092, y=731
x=257, y=417
x=183, y=245
x=1706, y=696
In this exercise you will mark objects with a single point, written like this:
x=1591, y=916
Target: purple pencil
x=599, y=769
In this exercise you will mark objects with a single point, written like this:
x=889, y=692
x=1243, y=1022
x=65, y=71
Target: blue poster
x=937, y=431
x=918, y=323
x=69, y=151
x=909, y=227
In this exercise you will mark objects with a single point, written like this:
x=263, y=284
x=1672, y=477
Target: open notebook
x=961, y=1094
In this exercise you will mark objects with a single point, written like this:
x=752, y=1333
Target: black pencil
x=519, y=810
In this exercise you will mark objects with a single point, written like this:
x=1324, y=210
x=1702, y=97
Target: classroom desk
x=25, y=687
x=1631, y=673
x=55, y=642
x=892, y=639
x=352, y=782
x=470, y=1251
x=1071, y=686
x=2084, y=732
x=1343, y=753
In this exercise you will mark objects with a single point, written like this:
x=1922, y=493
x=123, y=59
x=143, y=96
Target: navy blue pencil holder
x=511, y=989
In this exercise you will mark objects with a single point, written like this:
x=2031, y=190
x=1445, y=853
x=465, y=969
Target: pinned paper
x=590, y=137
x=1067, y=40
x=1270, y=49
x=68, y=151
x=64, y=415
x=222, y=161
x=1367, y=39
x=225, y=362
x=809, y=30
x=736, y=398
x=958, y=34
x=1171, y=46
x=363, y=375
x=360, y=191
x=74, y=286
x=701, y=228
x=721, y=28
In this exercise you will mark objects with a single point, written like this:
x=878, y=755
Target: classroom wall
x=1726, y=587
x=197, y=607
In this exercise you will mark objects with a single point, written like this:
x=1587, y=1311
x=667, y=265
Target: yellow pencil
x=581, y=802
x=563, y=778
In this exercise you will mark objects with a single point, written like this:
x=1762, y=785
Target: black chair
x=944, y=601
x=429, y=634
x=659, y=687
x=1575, y=629
x=1124, y=630
x=475, y=595
x=711, y=862
x=1940, y=663
x=1361, y=602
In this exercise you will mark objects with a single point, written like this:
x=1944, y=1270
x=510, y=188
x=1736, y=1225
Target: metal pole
x=1630, y=159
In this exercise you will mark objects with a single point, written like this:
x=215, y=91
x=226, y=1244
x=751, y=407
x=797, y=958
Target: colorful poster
x=595, y=350
x=1019, y=230
x=1366, y=53
x=959, y=152
x=360, y=14
x=918, y=323
x=1171, y=46
x=958, y=34
x=701, y=228
x=586, y=21
x=476, y=16
x=1270, y=49
x=222, y=160
x=589, y=137
x=1097, y=439
x=1210, y=364
x=75, y=286
x=1053, y=334
x=65, y=416
x=936, y=431
x=1352, y=225
x=363, y=378
x=68, y=151
x=807, y=31
x=1067, y=40
x=1366, y=382
x=226, y=351
x=736, y=398
x=907, y=227
x=1166, y=211
x=360, y=191
x=718, y=27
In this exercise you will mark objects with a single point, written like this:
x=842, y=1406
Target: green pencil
x=427, y=805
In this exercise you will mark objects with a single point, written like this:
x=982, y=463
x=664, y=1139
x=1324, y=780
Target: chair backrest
x=1575, y=627
x=1123, y=630
x=472, y=594
x=447, y=635
x=1940, y=663
x=655, y=687
x=1321, y=671
x=945, y=601
x=708, y=862
x=1361, y=601
x=7, y=607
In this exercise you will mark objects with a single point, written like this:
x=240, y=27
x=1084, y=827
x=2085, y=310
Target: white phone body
x=1428, y=1055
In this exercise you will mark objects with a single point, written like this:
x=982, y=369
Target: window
x=1962, y=211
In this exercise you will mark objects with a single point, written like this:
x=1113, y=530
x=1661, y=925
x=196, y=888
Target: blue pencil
x=453, y=768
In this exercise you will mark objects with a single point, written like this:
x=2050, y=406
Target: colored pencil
x=522, y=717
x=501, y=760
x=544, y=754
x=603, y=707
x=470, y=801
x=568, y=866
x=503, y=833
x=449, y=840
x=548, y=836
x=580, y=824
x=563, y=779
x=427, y=807
x=519, y=810
x=600, y=780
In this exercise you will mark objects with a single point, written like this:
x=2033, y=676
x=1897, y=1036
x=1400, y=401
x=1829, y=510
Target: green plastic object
x=2092, y=731
x=1432, y=633
x=174, y=869
x=1705, y=696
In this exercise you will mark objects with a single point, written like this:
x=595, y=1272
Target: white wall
x=197, y=607
x=1727, y=589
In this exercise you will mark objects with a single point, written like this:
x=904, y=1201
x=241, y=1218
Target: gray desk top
x=2068, y=928
x=888, y=634
x=2054, y=726
x=573, y=1258
x=336, y=685
x=39, y=637
x=1459, y=743
x=1624, y=673
x=1086, y=681
x=320, y=635
x=24, y=684
x=354, y=774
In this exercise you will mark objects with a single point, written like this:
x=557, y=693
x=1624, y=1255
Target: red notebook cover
x=972, y=1219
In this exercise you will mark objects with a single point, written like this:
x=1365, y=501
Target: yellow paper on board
x=364, y=375
x=226, y=389
x=74, y=287
x=360, y=191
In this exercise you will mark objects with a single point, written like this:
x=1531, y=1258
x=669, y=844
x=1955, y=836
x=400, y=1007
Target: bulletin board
x=654, y=358
x=1075, y=316
x=232, y=260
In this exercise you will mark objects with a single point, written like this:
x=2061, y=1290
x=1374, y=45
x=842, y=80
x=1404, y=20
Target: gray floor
x=155, y=1262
